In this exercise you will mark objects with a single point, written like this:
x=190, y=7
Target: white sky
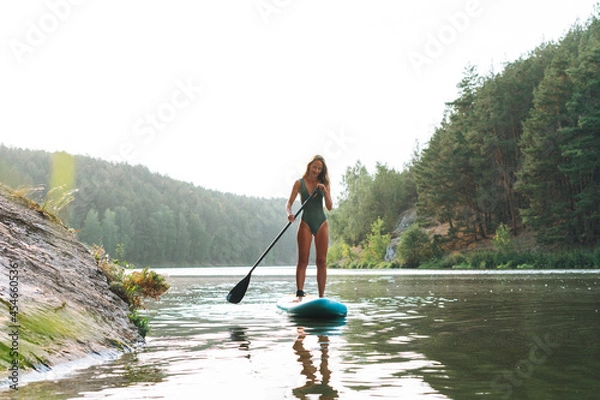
x=238, y=95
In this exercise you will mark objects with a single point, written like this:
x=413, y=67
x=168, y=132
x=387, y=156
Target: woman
x=313, y=222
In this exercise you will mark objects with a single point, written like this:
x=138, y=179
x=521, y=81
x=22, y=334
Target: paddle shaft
x=237, y=293
x=282, y=232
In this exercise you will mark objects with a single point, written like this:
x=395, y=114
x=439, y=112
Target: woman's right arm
x=293, y=195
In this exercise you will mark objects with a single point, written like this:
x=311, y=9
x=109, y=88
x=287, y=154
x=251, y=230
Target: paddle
x=237, y=293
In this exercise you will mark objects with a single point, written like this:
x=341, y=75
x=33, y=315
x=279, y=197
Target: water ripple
x=419, y=336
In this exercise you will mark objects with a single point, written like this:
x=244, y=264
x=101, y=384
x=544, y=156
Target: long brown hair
x=324, y=175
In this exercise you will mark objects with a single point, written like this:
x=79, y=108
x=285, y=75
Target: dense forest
x=517, y=150
x=149, y=219
x=522, y=147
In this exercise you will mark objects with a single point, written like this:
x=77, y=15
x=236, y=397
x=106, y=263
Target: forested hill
x=518, y=151
x=522, y=147
x=149, y=219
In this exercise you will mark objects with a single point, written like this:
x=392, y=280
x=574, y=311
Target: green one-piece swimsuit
x=313, y=213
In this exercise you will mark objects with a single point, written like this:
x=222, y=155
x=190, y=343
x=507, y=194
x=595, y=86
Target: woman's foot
x=299, y=295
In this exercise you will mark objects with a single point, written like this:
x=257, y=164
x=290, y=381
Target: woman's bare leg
x=304, y=238
x=321, y=245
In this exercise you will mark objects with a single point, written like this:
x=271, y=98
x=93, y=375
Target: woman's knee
x=321, y=261
x=302, y=262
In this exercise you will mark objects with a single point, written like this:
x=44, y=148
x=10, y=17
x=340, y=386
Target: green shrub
x=389, y=265
x=596, y=257
x=415, y=247
x=503, y=239
x=439, y=263
x=133, y=288
x=454, y=260
x=140, y=285
x=140, y=322
x=335, y=252
x=376, y=244
x=480, y=259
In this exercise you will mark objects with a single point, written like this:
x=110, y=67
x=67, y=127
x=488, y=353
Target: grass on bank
x=494, y=259
x=41, y=329
x=132, y=287
x=55, y=200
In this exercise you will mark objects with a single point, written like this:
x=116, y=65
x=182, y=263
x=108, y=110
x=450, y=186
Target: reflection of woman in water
x=312, y=385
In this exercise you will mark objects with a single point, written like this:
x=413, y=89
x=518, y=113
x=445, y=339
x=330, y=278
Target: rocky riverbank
x=57, y=306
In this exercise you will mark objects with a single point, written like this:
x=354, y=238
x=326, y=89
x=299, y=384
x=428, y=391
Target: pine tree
x=581, y=147
x=549, y=207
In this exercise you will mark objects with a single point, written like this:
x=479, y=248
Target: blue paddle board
x=312, y=307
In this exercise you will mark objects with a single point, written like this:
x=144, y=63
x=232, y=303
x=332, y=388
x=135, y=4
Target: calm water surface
x=408, y=335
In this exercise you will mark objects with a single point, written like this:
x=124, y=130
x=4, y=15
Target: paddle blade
x=239, y=291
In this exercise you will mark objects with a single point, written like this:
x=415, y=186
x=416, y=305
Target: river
x=409, y=334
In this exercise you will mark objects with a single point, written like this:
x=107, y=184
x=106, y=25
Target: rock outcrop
x=56, y=302
x=406, y=219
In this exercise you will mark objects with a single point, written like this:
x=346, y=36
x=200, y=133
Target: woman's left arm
x=327, y=195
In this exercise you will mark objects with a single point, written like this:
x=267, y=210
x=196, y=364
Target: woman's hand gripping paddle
x=239, y=291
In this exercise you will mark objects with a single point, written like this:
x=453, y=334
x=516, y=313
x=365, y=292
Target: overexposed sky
x=238, y=95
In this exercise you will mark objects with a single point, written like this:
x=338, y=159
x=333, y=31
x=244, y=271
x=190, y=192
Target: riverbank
x=57, y=306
